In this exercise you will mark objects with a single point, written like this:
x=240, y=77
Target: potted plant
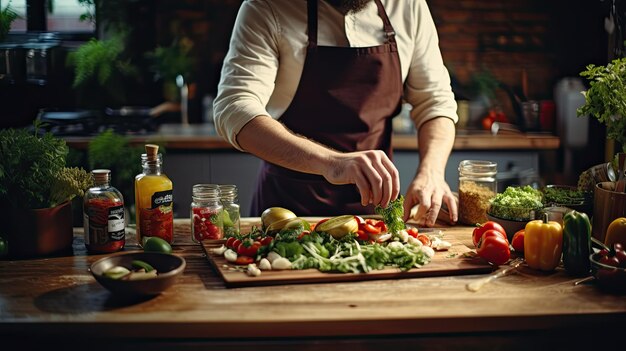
x=7, y=16
x=35, y=192
x=605, y=99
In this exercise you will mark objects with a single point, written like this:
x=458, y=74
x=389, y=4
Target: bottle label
x=158, y=220
x=104, y=222
x=161, y=198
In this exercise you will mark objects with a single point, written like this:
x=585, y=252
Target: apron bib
x=345, y=100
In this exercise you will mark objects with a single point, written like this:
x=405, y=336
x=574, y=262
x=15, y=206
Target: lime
x=339, y=226
x=139, y=264
x=156, y=244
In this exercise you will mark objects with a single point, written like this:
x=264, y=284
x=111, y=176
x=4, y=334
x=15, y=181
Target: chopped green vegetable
x=516, y=203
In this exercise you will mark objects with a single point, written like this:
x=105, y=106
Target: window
x=63, y=16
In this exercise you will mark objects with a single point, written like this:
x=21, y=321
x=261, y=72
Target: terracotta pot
x=607, y=206
x=40, y=232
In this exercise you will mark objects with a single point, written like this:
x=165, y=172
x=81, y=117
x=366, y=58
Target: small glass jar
x=477, y=186
x=103, y=215
x=230, y=201
x=206, y=213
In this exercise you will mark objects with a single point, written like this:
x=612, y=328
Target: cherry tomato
x=266, y=240
x=481, y=229
x=518, y=241
x=382, y=226
x=494, y=247
x=412, y=232
x=243, y=260
x=371, y=229
x=248, y=247
x=424, y=239
x=487, y=122
x=230, y=241
x=609, y=261
x=362, y=235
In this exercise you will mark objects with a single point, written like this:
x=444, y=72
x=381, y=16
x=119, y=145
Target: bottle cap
x=151, y=151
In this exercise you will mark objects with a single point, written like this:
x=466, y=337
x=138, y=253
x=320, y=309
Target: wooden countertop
x=57, y=301
x=202, y=138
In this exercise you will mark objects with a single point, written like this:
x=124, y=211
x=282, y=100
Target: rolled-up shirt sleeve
x=249, y=70
x=427, y=87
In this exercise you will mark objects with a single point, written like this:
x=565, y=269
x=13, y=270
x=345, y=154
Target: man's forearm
x=435, y=140
x=268, y=139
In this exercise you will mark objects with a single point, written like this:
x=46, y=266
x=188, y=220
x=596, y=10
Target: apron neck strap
x=390, y=34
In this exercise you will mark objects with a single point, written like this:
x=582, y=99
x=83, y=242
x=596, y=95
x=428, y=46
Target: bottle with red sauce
x=103, y=211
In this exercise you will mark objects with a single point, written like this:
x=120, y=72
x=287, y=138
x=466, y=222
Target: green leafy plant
x=33, y=172
x=7, y=16
x=605, y=99
x=100, y=65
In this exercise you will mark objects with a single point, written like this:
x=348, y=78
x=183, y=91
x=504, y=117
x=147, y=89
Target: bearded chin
x=346, y=6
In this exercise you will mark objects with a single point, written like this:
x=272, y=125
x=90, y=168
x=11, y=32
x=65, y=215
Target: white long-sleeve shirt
x=267, y=50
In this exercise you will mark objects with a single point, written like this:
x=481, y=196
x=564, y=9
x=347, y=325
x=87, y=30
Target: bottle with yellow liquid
x=153, y=198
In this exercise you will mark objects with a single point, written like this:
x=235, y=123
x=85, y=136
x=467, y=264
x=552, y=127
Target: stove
x=125, y=121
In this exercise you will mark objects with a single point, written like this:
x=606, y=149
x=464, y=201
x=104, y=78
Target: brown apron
x=345, y=100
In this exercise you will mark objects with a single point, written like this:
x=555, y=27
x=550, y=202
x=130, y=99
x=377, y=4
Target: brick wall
x=548, y=39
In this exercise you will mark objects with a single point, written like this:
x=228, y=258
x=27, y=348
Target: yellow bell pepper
x=616, y=232
x=543, y=244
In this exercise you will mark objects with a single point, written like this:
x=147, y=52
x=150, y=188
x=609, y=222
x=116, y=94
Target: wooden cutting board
x=445, y=263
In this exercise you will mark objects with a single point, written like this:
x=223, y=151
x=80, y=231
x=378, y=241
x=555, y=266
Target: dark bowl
x=168, y=266
x=583, y=203
x=609, y=278
x=511, y=226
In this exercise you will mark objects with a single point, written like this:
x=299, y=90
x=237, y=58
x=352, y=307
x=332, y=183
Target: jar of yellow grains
x=477, y=186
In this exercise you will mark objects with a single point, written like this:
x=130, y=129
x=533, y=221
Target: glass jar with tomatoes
x=103, y=211
x=207, y=221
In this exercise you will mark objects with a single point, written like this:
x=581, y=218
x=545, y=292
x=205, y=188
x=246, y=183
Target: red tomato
x=487, y=122
x=244, y=260
x=382, y=226
x=518, y=241
x=362, y=235
x=248, y=248
x=494, y=247
x=609, y=261
x=230, y=241
x=369, y=228
x=412, y=232
x=236, y=244
x=424, y=239
x=266, y=240
x=481, y=229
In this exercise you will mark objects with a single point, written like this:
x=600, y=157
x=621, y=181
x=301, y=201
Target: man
x=310, y=87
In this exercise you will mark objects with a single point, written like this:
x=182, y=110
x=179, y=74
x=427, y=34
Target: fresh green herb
x=516, y=203
x=393, y=215
x=33, y=173
x=606, y=98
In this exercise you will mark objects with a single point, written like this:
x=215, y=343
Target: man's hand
x=372, y=172
x=429, y=191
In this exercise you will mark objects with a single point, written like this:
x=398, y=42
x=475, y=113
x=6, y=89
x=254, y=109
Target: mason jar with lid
x=231, y=214
x=477, y=186
x=206, y=213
